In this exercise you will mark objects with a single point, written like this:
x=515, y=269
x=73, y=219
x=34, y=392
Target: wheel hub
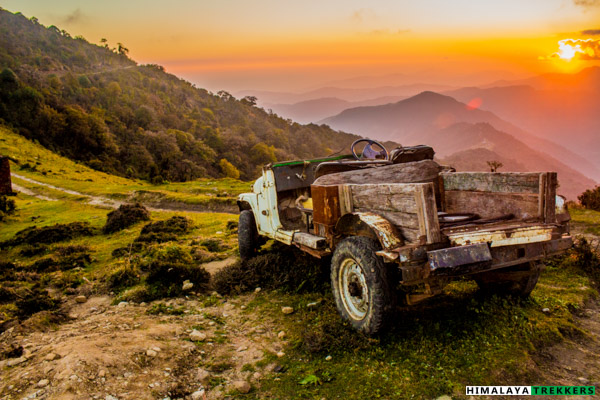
x=354, y=289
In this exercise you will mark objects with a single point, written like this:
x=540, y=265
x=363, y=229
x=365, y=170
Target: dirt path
x=104, y=202
x=122, y=352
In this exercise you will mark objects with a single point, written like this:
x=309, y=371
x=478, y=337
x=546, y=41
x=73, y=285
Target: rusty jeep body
x=399, y=226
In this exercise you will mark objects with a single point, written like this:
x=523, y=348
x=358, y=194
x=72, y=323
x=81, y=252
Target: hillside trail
x=101, y=201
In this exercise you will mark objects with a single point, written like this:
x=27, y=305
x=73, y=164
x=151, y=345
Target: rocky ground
x=121, y=351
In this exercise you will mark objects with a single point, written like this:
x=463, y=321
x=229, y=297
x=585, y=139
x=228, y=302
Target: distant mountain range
x=452, y=127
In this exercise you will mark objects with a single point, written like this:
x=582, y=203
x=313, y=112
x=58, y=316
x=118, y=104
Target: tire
x=248, y=239
x=515, y=281
x=361, y=284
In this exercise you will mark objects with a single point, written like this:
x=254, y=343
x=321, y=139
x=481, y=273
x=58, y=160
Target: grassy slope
x=50, y=168
x=434, y=349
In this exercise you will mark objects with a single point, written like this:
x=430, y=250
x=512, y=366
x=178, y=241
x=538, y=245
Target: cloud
x=387, y=32
x=578, y=49
x=363, y=15
x=75, y=17
x=591, y=32
x=587, y=3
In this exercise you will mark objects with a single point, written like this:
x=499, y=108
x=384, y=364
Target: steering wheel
x=368, y=151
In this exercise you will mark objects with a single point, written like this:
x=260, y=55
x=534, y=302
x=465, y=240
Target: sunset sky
x=285, y=45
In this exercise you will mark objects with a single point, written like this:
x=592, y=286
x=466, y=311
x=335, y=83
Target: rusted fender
x=372, y=225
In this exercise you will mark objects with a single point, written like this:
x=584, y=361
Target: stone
x=202, y=375
x=328, y=358
x=257, y=290
x=256, y=376
x=151, y=353
x=43, y=383
x=242, y=348
x=280, y=354
x=81, y=299
x=16, y=361
x=187, y=285
x=287, y=310
x=281, y=335
x=546, y=310
x=444, y=397
x=102, y=373
x=123, y=304
x=157, y=349
x=242, y=386
x=312, y=305
x=109, y=397
x=243, y=307
x=198, y=394
x=51, y=357
x=197, y=336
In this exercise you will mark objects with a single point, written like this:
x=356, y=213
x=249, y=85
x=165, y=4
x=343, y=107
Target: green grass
x=35, y=162
x=586, y=220
x=433, y=349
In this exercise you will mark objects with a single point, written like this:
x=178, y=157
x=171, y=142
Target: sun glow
x=567, y=49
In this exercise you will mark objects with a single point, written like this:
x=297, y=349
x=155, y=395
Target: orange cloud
x=579, y=49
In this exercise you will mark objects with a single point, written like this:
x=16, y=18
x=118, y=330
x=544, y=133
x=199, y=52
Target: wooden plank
x=432, y=224
x=345, y=196
x=541, y=199
x=490, y=205
x=502, y=182
x=550, y=195
x=397, y=218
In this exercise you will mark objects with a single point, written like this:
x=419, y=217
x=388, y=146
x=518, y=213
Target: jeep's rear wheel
x=248, y=239
x=517, y=281
x=360, y=284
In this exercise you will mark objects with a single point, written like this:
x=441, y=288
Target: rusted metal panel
x=326, y=204
x=445, y=261
x=312, y=241
x=503, y=236
x=367, y=224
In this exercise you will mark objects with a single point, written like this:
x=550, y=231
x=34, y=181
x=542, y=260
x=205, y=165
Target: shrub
x=50, y=234
x=125, y=216
x=7, y=207
x=164, y=231
x=590, y=199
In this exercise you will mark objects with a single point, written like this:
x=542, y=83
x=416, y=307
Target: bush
x=125, y=216
x=284, y=267
x=34, y=301
x=50, y=234
x=590, y=199
x=164, y=231
x=123, y=277
x=7, y=207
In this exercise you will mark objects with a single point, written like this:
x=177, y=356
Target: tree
x=228, y=169
x=122, y=49
x=494, y=165
x=590, y=198
x=250, y=100
x=104, y=43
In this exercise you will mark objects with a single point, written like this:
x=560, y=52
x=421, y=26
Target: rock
x=444, y=397
x=312, y=305
x=81, y=299
x=281, y=335
x=278, y=368
x=187, y=285
x=202, y=375
x=157, y=349
x=257, y=290
x=123, y=304
x=43, y=383
x=51, y=357
x=198, y=394
x=73, y=377
x=102, y=373
x=287, y=310
x=582, y=379
x=242, y=386
x=256, y=376
x=16, y=361
x=242, y=348
x=328, y=358
x=212, y=323
x=546, y=310
x=243, y=307
x=109, y=397
x=280, y=354
x=151, y=353
x=197, y=336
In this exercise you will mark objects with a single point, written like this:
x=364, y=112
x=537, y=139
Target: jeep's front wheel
x=248, y=239
x=361, y=285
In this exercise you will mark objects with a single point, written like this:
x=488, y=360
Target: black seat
x=332, y=167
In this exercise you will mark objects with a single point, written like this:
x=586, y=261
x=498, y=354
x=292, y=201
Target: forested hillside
x=93, y=104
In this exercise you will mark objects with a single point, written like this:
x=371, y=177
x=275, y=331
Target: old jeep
x=400, y=227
